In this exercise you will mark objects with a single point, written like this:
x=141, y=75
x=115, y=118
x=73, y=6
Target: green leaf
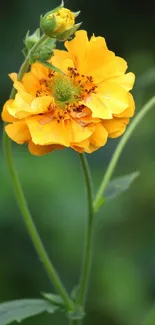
x=120, y=185
x=54, y=299
x=18, y=310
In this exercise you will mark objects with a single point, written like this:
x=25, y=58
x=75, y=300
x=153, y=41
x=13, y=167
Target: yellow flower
x=78, y=108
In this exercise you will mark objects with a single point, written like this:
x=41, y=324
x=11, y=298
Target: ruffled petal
x=129, y=111
x=126, y=81
x=39, y=70
x=6, y=117
x=97, y=106
x=48, y=133
x=97, y=55
x=21, y=108
x=41, y=150
x=77, y=131
x=114, y=97
x=78, y=47
x=31, y=83
x=61, y=59
x=18, y=132
x=111, y=69
x=115, y=127
x=99, y=136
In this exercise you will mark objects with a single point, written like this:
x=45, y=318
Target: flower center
x=64, y=90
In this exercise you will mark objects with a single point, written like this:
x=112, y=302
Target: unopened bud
x=58, y=21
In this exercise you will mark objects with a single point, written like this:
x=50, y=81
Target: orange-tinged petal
x=126, y=81
x=59, y=58
x=6, y=117
x=41, y=150
x=21, y=109
x=49, y=133
x=114, y=97
x=30, y=83
x=18, y=132
x=39, y=70
x=97, y=56
x=78, y=47
x=78, y=132
x=115, y=127
x=97, y=106
x=99, y=136
x=129, y=111
x=110, y=69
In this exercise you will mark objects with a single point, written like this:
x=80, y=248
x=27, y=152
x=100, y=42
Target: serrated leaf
x=18, y=310
x=120, y=185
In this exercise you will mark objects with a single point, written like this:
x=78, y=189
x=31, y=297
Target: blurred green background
x=122, y=286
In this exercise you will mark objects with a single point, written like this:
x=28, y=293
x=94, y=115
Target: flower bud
x=65, y=35
x=58, y=21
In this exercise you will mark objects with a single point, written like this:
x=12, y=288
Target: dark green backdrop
x=122, y=287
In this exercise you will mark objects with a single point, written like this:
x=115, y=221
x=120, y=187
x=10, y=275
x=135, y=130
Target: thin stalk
x=146, y=108
x=89, y=234
x=31, y=228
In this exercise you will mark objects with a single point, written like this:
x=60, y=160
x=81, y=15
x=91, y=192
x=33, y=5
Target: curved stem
x=89, y=233
x=120, y=148
x=53, y=276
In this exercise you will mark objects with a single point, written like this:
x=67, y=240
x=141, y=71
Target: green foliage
x=119, y=185
x=18, y=310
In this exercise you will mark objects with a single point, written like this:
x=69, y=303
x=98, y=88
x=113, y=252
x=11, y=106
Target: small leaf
x=18, y=310
x=54, y=299
x=119, y=185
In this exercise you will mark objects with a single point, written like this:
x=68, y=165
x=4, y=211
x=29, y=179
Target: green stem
x=25, y=65
x=146, y=108
x=89, y=234
x=53, y=276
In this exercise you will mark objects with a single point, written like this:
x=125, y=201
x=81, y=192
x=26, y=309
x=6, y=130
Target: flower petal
x=39, y=70
x=114, y=97
x=48, y=133
x=129, y=111
x=6, y=117
x=97, y=106
x=126, y=81
x=99, y=136
x=110, y=69
x=31, y=83
x=21, y=108
x=78, y=47
x=59, y=58
x=41, y=150
x=18, y=132
x=115, y=127
x=97, y=55
x=78, y=132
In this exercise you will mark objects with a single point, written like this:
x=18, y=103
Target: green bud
x=65, y=35
x=58, y=21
